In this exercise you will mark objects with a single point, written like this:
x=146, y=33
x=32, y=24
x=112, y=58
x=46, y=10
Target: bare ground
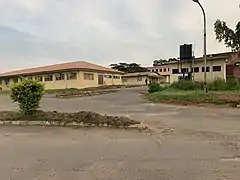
x=185, y=143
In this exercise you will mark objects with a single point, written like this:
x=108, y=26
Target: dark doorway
x=100, y=79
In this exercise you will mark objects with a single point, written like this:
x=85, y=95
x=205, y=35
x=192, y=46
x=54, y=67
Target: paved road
x=186, y=143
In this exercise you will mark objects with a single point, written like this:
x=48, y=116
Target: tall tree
x=160, y=62
x=128, y=68
x=230, y=37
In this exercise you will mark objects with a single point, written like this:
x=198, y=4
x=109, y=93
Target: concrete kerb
x=140, y=126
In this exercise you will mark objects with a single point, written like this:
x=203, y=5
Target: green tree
x=230, y=37
x=160, y=62
x=128, y=68
x=28, y=94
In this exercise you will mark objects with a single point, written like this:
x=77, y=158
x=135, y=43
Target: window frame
x=124, y=80
x=139, y=79
x=70, y=76
x=196, y=70
x=116, y=77
x=61, y=76
x=88, y=76
x=48, y=77
x=108, y=76
x=175, y=71
x=15, y=80
x=39, y=78
x=217, y=70
x=186, y=70
x=207, y=68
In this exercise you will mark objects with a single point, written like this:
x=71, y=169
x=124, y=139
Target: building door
x=100, y=79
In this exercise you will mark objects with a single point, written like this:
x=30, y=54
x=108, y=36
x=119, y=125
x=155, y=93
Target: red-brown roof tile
x=60, y=67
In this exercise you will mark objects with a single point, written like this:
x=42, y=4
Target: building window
x=175, y=71
x=157, y=70
x=124, y=80
x=15, y=80
x=116, y=77
x=60, y=76
x=72, y=76
x=48, y=77
x=184, y=70
x=39, y=78
x=1, y=81
x=108, y=76
x=160, y=70
x=7, y=81
x=168, y=69
x=217, y=68
x=164, y=69
x=139, y=79
x=88, y=76
x=208, y=69
x=196, y=69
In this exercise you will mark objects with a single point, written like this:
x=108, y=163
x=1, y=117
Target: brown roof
x=59, y=67
x=137, y=74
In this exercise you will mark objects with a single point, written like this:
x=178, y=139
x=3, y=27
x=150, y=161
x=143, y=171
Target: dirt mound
x=85, y=118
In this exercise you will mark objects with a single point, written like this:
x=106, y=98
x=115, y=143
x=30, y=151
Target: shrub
x=222, y=85
x=184, y=84
x=154, y=87
x=28, y=94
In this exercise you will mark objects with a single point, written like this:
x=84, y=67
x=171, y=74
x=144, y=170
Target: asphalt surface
x=186, y=143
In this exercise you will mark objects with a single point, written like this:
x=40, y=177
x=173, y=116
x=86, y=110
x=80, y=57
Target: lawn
x=196, y=97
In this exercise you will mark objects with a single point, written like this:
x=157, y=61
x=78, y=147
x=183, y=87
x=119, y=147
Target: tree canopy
x=163, y=61
x=230, y=37
x=128, y=67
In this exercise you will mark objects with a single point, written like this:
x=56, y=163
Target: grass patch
x=195, y=97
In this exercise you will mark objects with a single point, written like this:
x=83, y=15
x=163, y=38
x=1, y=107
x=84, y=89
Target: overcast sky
x=40, y=32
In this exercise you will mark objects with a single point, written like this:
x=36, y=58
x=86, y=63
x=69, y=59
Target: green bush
x=186, y=85
x=154, y=87
x=222, y=85
x=28, y=94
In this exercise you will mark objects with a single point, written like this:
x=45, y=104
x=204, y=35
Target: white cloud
x=105, y=31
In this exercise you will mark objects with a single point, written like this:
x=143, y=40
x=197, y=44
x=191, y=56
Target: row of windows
x=197, y=69
x=114, y=77
x=139, y=79
x=161, y=70
x=47, y=77
x=60, y=77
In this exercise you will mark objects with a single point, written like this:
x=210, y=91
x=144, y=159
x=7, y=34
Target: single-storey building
x=141, y=78
x=163, y=70
x=218, y=66
x=233, y=65
x=80, y=74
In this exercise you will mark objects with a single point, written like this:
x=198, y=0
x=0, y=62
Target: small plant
x=28, y=94
x=184, y=84
x=154, y=87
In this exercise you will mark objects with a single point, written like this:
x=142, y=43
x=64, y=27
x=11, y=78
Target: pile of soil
x=83, y=93
x=83, y=118
x=232, y=99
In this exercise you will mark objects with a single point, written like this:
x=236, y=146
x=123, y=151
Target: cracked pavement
x=185, y=142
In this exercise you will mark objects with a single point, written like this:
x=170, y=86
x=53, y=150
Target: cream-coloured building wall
x=140, y=80
x=134, y=80
x=78, y=83
x=199, y=76
x=112, y=79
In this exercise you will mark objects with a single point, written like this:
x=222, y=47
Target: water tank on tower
x=186, y=52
